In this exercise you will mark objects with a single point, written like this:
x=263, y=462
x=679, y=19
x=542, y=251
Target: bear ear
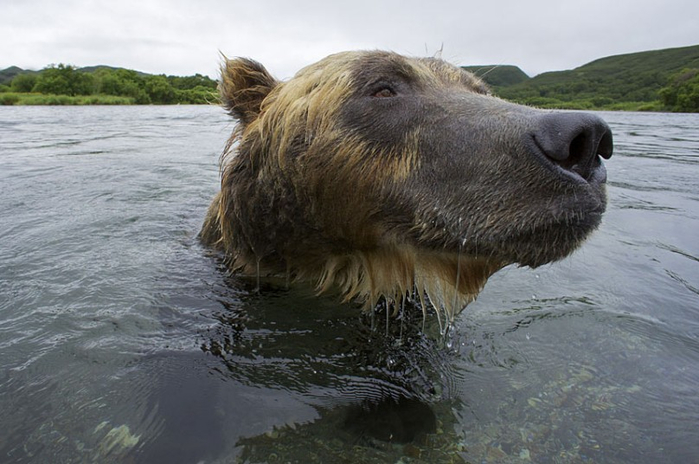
x=244, y=85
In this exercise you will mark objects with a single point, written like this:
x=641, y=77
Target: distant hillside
x=92, y=69
x=614, y=82
x=6, y=75
x=498, y=75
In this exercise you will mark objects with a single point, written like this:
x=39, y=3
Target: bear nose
x=574, y=141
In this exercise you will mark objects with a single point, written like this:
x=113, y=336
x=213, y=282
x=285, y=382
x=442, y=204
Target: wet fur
x=313, y=190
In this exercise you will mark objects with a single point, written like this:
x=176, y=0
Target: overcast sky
x=185, y=37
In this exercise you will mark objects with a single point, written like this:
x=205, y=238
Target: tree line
x=682, y=92
x=651, y=91
x=131, y=86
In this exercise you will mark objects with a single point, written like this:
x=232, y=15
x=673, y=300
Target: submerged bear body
x=379, y=175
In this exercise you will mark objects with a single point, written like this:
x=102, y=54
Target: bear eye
x=385, y=92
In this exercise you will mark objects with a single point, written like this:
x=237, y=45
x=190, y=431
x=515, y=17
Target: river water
x=124, y=340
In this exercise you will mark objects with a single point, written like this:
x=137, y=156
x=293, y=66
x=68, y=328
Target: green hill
x=7, y=74
x=498, y=75
x=631, y=81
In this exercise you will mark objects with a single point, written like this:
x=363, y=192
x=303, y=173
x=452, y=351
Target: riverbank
x=14, y=98
x=40, y=99
x=587, y=105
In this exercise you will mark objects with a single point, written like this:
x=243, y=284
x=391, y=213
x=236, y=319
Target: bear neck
x=446, y=281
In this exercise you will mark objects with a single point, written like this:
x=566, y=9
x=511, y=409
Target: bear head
x=380, y=175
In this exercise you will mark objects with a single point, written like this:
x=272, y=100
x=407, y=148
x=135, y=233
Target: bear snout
x=572, y=145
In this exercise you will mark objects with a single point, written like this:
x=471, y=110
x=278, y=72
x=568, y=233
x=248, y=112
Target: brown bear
x=379, y=175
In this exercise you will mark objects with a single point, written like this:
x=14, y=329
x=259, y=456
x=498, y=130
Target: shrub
x=8, y=99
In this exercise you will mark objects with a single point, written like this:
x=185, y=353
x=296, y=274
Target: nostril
x=577, y=151
x=606, y=145
x=574, y=141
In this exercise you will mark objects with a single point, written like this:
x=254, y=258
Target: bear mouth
x=545, y=242
x=595, y=173
x=532, y=239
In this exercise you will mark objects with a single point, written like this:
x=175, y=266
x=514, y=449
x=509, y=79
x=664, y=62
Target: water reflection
x=293, y=338
x=387, y=431
x=370, y=385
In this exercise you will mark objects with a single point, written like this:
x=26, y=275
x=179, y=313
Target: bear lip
x=597, y=174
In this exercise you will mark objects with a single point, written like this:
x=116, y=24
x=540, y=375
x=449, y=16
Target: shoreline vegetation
x=102, y=85
x=15, y=98
x=657, y=80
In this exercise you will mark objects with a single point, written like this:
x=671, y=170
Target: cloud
x=185, y=37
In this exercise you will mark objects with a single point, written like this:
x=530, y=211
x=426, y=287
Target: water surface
x=123, y=340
